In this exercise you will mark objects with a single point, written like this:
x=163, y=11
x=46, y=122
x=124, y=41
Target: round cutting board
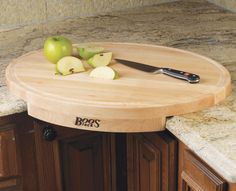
x=136, y=102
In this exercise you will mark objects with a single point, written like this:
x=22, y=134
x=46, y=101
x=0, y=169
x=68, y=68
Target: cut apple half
x=104, y=72
x=88, y=52
x=101, y=59
x=69, y=65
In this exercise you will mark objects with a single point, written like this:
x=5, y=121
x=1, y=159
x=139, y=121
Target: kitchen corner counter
x=211, y=134
x=9, y=104
x=193, y=25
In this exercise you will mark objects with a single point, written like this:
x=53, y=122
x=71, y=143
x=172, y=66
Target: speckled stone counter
x=9, y=104
x=193, y=25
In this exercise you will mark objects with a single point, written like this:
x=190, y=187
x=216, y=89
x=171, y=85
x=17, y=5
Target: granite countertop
x=193, y=25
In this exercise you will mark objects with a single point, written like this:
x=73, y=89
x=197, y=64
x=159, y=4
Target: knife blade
x=182, y=75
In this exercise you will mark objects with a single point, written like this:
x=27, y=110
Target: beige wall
x=228, y=4
x=16, y=13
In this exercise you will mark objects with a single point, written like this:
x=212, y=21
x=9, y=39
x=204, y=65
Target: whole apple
x=57, y=47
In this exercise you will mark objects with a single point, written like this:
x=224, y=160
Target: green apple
x=102, y=59
x=104, y=72
x=57, y=47
x=88, y=52
x=69, y=65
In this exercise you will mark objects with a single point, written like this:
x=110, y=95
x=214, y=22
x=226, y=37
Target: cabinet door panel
x=17, y=153
x=82, y=164
x=149, y=167
x=74, y=160
x=8, y=156
x=152, y=164
x=189, y=184
x=195, y=175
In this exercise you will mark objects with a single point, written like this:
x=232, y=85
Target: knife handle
x=191, y=78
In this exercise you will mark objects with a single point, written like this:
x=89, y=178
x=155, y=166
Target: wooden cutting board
x=136, y=102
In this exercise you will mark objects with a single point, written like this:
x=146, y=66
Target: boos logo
x=87, y=122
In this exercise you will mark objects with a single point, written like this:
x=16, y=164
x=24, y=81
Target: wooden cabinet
x=74, y=160
x=195, y=175
x=43, y=157
x=152, y=162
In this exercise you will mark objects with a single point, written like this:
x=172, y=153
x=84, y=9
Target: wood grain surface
x=136, y=102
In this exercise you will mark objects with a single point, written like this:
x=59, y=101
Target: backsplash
x=15, y=13
x=227, y=4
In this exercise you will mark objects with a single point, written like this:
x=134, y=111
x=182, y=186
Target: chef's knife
x=191, y=78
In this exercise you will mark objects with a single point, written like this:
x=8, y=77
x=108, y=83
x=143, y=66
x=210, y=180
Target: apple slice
x=69, y=65
x=88, y=52
x=104, y=72
x=102, y=59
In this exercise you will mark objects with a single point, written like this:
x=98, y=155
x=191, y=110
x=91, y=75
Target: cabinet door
x=8, y=159
x=195, y=175
x=152, y=162
x=17, y=153
x=73, y=160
